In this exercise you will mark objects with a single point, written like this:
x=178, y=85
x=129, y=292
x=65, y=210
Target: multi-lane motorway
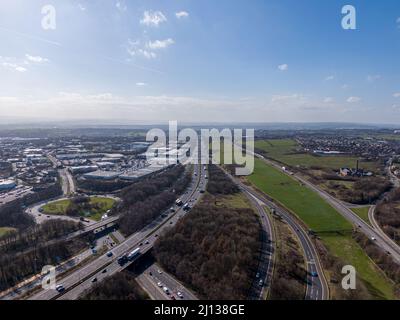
x=77, y=282
x=374, y=234
x=154, y=280
x=263, y=278
x=317, y=286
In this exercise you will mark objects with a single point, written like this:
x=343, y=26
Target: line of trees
x=387, y=214
x=381, y=258
x=18, y=241
x=12, y=214
x=121, y=286
x=214, y=249
x=219, y=182
x=289, y=273
x=145, y=201
x=16, y=268
x=364, y=190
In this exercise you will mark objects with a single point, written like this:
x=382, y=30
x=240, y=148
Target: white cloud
x=182, y=14
x=141, y=84
x=372, y=78
x=20, y=69
x=283, y=67
x=398, y=21
x=81, y=7
x=345, y=86
x=396, y=94
x=35, y=59
x=328, y=100
x=353, y=99
x=160, y=44
x=13, y=64
x=329, y=78
x=121, y=6
x=134, y=48
x=153, y=18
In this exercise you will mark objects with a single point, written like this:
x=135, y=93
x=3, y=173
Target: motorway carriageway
x=317, y=286
x=376, y=235
x=154, y=278
x=81, y=279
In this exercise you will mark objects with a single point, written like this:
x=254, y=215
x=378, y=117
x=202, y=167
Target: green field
x=362, y=212
x=5, y=230
x=322, y=218
x=287, y=151
x=308, y=205
x=56, y=208
x=60, y=207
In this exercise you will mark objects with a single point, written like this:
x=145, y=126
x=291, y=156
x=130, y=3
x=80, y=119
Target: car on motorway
x=60, y=288
x=94, y=280
x=159, y=284
x=179, y=294
x=104, y=271
x=147, y=242
x=261, y=283
x=109, y=254
x=373, y=238
x=156, y=235
x=133, y=254
x=202, y=191
x=314, y=274
x=159, y=271
x=122, y=260
x=257, y=275
x=166, y=290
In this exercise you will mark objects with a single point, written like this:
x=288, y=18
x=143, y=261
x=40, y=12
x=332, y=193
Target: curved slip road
x=80, y=280
x=317, y=286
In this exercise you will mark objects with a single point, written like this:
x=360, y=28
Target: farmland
x=288, y=152
x=331, y=227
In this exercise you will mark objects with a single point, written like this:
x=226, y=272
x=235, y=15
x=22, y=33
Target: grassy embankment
x=99, y=207
x=362, y=212
x=5, y=230
x=331, y=227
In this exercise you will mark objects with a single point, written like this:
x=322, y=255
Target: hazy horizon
x=200, y=61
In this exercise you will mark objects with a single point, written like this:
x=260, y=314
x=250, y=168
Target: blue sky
x=200, y=60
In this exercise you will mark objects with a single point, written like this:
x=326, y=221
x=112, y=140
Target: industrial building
x=6, y=185
x=102, y=175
